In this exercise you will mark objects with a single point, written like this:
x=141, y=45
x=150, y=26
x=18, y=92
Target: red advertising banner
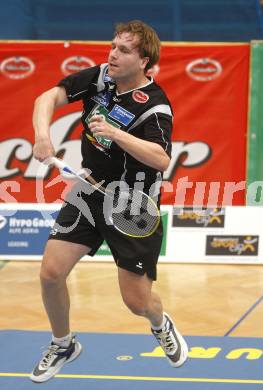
x=206, y=84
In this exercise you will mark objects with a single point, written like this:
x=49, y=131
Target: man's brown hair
x=149, y=42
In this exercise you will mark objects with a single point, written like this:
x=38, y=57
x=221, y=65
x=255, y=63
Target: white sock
x=62, y=341
x=160, y=326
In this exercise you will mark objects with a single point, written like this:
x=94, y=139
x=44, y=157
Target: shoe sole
x=184, y=347
x=44, y=378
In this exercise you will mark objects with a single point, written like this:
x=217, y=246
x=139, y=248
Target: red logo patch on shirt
x=140, y=96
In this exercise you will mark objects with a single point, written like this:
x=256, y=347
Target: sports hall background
x=211, y=68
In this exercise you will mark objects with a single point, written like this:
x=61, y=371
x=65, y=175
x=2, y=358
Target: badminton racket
x=131, y=211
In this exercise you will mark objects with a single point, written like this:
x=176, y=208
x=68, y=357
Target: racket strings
x=135, y=213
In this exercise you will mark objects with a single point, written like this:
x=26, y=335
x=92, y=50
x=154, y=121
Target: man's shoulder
x=155, y=93
x=87, y=72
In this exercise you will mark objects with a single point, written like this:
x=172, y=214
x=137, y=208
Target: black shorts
x=84, y=223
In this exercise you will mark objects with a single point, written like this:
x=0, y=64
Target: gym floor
x=218, y=308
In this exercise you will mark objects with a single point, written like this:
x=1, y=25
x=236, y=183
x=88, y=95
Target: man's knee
x=59, y=258
x=50, y=273
x=136, y=292
x=136, y=305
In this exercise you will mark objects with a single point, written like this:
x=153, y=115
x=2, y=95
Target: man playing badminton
x=127, y=124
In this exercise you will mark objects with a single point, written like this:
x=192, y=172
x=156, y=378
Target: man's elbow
x=55, y=96
x=164, y=163
x=44, y=96
x=37, y=100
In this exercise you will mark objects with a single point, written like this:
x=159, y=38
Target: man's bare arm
x=44, y=108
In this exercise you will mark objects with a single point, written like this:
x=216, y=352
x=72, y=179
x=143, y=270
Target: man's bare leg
x=59, y=259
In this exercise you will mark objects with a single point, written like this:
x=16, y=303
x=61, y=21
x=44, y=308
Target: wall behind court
x=255, y=135
x=175, y=20
x=207, y=85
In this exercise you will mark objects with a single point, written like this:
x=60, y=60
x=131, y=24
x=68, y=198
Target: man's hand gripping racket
x=132, y=212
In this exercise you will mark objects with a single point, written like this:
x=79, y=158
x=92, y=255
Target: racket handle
x=67, y=169
x=56, y=161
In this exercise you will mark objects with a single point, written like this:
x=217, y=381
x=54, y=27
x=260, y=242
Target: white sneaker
x=172, y=342
x=54, y=359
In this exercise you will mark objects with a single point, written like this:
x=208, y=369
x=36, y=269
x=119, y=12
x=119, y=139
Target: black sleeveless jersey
x=144, y=112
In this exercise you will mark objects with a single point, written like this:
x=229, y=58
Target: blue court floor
x=132, y=361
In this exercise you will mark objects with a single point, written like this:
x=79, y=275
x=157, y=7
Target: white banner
x=231, y=235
